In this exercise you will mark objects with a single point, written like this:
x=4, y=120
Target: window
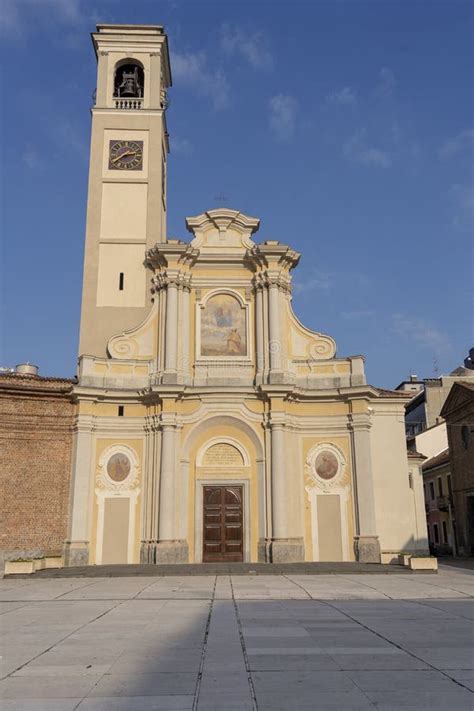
x=436, y=532
x=121, y=410
x=432, y=491
x=450, y=486
x=445, y=532
x=121, y=281
x=440, y=486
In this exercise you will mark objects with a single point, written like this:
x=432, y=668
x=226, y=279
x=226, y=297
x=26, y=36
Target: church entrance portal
x=222, y=524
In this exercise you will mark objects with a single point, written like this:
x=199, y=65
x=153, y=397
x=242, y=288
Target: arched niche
x=223, y=328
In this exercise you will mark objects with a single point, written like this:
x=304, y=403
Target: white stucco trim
x=107, y=488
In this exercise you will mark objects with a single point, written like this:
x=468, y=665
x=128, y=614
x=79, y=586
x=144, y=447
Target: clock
x=126, y=155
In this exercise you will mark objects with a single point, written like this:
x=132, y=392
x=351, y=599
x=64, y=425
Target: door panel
x=223, y=524
x=116, y=522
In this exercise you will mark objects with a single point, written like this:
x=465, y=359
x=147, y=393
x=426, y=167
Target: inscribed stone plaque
x=222, y=455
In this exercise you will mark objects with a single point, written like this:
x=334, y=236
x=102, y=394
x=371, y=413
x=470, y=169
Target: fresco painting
x=223, y=331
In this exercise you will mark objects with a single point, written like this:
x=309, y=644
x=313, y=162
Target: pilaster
x=366, y=543
x=285, y=546
x=76, y=547
x=169, y=549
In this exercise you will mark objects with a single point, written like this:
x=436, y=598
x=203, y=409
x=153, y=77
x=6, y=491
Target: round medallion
x=118, y=467
x=326, y=465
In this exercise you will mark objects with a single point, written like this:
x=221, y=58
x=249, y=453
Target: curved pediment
x=222, y=228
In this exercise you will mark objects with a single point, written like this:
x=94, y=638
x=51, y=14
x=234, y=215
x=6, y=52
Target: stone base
x=263, y=551
x=287, y=550
x=367, y=549
x=148, y=552
x=169, y=552
x=76, y=553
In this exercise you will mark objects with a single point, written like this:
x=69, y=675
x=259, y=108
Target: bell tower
x=126, y=210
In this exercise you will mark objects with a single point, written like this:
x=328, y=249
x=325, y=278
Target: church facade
x=211, y=425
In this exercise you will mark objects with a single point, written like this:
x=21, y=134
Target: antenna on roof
x=435, y=367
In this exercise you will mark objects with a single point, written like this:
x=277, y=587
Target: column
x=285, y=548
x=186, y=329
x=169, y=548
x=274, y=319
x=150, y=480
x=259, y=332
x=367, y=541
x=76, y=549
x=171, y=332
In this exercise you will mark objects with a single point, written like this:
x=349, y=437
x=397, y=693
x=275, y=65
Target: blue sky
x=346, y=127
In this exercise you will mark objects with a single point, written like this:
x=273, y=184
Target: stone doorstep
x=210, y=569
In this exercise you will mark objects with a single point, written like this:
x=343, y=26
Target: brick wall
x=36, y=416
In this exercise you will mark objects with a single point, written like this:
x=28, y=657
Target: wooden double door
x=223, y=524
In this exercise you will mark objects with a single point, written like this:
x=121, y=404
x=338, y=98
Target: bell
x=130, y=85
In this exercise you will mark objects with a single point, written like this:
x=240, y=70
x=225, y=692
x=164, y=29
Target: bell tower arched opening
x=129, y=80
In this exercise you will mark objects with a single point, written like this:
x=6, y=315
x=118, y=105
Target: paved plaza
x=289, y=642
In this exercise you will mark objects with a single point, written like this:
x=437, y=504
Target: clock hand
x=122, y=155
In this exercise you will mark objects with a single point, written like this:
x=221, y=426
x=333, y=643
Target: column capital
x=276, y=420
x=359, y=422
x=168, y=421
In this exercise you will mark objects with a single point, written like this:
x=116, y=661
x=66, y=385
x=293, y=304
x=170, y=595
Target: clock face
x=126, y=155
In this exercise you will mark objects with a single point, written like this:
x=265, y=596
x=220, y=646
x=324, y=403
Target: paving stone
x=321, y=701
x=153, y=684
x=137, y=703
x=40, y=687
x=458, y=699
x=427, y=680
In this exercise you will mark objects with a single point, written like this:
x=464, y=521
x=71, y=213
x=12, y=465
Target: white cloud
x=31, y=158
x=358, y=150
x=343, y=97
x=386, y=84
x=420, y=332
x=192, y=70
x=249, y=45
x=317, y=280
x=463, y=142
x=180, y=145
x=283, y=112
x=462, y=198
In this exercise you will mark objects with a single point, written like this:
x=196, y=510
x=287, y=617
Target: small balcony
x=132, y=104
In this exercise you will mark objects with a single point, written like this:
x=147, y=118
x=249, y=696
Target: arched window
x=129, y=80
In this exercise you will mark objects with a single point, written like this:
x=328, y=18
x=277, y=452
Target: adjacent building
x=36, y=426
x=423, y=411
x=458, y=411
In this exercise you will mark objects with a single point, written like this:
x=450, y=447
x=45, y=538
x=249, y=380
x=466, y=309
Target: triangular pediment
x=460, y=394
